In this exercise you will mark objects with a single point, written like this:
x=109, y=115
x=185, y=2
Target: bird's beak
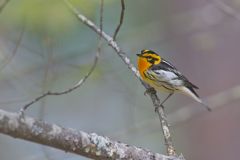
x=139, y=55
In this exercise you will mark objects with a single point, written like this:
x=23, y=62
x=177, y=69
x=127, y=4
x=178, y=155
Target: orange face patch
x=146, y=59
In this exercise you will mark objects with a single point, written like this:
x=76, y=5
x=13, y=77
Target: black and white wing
x=166, y=73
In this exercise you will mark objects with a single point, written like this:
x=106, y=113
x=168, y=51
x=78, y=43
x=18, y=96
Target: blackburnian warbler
x=163, y=76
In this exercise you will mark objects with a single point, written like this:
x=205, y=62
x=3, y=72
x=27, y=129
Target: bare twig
x=70, y=140
x=101, y=28
x=121, y=20
x=126, y=60
x=105, y=36
x=164, y=125
x=101, y=17
x=49, y=93
x=3, y=5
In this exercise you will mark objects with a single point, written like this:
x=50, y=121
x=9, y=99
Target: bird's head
x=148, y=58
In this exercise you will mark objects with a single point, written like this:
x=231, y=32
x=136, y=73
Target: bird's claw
x=156, y=108
x=149, y=91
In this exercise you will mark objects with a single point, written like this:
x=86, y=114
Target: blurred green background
x=44, y=47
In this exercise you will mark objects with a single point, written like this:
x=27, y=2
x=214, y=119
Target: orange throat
x=143, y=65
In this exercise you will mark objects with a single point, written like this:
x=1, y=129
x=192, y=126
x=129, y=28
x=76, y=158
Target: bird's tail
x=205, y=105
x=193, y=95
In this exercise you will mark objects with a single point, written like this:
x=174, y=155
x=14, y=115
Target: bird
x=163, y=76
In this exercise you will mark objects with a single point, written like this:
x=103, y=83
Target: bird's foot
x=156, y=108
x=150, y=90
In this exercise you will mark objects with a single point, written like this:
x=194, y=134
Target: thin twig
x=3, y=5
x=101, y=17
x=164, y=125
x=49, y=93
x=126, y=60
x=101, y=28
x=105, y=36
x=166, y=133
x=121, y=20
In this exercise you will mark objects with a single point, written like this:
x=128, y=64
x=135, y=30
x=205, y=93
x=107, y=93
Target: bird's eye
x=149, y=58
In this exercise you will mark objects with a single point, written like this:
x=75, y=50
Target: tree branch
x=70, y=140
x=126, y=60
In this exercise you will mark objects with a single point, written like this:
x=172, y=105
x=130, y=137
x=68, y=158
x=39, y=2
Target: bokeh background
x=44, y=47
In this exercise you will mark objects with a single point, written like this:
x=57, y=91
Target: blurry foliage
x=51, y=16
